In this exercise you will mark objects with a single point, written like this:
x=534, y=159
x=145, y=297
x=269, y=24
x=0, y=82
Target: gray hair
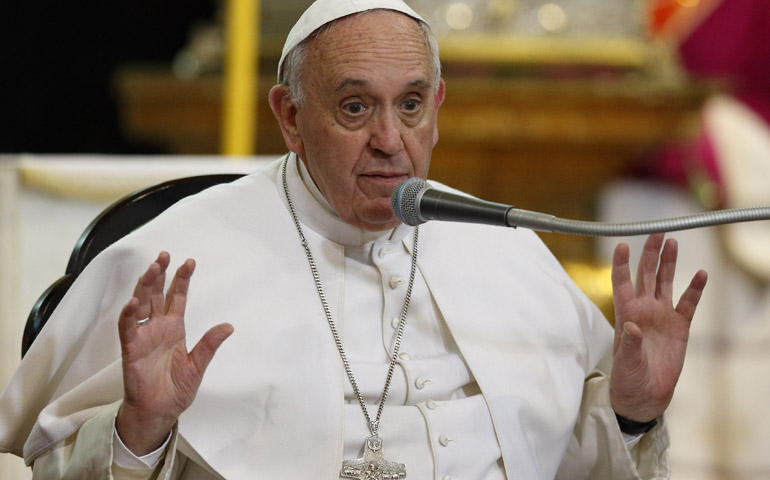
x=293, y=64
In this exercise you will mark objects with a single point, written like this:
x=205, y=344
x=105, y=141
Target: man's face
x=369, y=119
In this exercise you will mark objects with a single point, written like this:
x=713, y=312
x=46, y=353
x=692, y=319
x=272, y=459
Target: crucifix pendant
x=373, y=465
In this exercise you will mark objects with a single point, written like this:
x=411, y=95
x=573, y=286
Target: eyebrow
x=355, y=82
x=350, y=82
x=420, y=84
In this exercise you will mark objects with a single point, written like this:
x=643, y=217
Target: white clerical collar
x=317, y=213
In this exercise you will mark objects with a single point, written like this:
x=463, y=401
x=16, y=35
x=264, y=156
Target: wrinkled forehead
x=367, y=42
x=323, y=12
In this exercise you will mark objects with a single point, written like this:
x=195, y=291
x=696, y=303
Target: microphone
x=415, y=202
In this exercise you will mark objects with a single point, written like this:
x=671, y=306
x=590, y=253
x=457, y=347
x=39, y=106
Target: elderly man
x=358, y=347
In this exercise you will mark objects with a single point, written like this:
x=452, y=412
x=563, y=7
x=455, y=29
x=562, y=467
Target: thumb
x=630, y=348
x=207, y=346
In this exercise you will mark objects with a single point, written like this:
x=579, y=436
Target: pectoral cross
x=373, y=466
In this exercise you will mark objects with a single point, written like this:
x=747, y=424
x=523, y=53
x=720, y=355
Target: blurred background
x=585, y=109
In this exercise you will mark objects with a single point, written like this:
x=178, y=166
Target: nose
x=386, y=133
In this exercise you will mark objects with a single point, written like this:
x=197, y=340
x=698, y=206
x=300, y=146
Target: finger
x=144, y=286
x=157, y=297
x=690, y=298
x=143, y=289
x=648, y=265
x=127, y=322
x=176, y=298
x=665, y=280
x=622, y=288
x=164, y=258
x=207, y=346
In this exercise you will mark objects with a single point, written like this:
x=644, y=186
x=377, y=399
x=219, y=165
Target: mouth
x=384, y=180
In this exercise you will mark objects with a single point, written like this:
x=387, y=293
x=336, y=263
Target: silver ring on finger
x=143, y=321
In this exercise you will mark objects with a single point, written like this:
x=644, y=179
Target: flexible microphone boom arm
x=414, y=202
x=549, y=223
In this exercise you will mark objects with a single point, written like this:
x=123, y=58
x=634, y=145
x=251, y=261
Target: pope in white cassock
x=356, y=346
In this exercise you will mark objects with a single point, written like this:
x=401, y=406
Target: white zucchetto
x=322, y=12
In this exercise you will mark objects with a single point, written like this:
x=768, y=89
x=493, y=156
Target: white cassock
x=500, y=374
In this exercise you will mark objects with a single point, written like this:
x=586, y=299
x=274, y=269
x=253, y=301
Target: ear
x=285, y=112
x=438, y=99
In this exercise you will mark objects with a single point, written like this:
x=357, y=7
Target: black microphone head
x=403, y=200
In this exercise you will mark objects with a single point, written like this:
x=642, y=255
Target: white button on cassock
x=395, y=282
x=444, y=440
x=420, y=383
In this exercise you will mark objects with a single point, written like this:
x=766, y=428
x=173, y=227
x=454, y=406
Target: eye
x=354, y=108
x=411, y=105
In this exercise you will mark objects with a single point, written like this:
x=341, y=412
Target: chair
x=115, y=222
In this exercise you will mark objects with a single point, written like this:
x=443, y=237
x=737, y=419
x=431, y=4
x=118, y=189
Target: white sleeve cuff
x=124, y=457
x=629, y=438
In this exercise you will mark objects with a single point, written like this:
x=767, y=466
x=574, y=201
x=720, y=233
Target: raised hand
x=160, y=378
x=650, y=333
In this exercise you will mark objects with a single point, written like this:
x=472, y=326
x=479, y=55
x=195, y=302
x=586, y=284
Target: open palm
x=160, y=377
x=650, y=332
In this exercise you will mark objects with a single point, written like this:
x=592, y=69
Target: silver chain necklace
x=372, y=466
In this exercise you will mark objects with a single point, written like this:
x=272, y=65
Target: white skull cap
x=322, y=12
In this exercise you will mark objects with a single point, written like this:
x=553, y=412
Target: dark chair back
x=115, y=222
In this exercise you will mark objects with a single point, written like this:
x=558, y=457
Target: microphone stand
x=415, y=202
x=548, y=223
